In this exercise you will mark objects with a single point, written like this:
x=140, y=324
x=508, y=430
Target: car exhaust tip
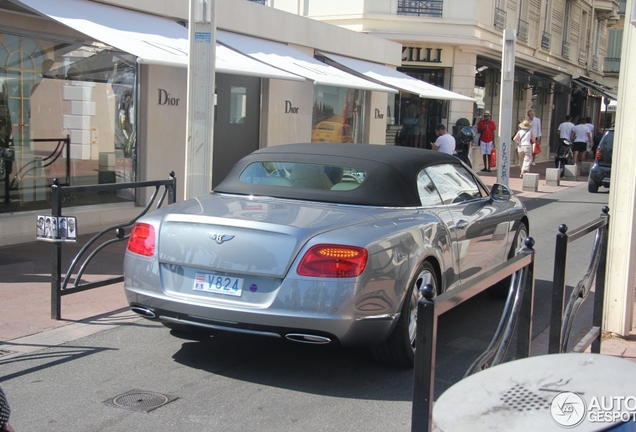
x=308, y=339
x=144, y=312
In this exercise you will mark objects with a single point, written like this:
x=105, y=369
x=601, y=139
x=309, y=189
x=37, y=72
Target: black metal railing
x=562, y=319
x=428, y=8
x=60, y=285
x=517, y=315
x=612, y=65
x=500, y=19
x=546, y=39
x=522, y=29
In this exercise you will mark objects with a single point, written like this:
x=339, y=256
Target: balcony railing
x=428, y=8
x=522, y=30
x=545, y=40
x=565, y=50
x=500, y=19
x=612, y=65
x=582, y=57
x=595, y=62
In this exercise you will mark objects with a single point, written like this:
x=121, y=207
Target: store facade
x=82, y=109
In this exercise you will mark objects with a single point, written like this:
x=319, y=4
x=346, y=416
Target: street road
x=239, y=383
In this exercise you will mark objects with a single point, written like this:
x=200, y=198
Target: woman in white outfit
x=524, y=139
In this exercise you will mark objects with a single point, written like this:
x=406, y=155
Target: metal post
x=68, y=160
x=524, y=325
x=424, y=364
x=201, y=97
x=599, y=294
x=56, y=257
x=558, y=290
x=505, y=106
x=172, y=193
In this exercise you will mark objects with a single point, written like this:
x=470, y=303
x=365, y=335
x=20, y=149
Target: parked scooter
x=564, y=155
x=465, y=139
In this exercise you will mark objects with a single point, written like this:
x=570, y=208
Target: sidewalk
x=25, y=288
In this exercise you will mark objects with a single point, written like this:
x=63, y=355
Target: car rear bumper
x=309, y=328
x=600, y=174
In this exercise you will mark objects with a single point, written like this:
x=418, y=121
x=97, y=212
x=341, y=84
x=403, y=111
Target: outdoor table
x=582, y=391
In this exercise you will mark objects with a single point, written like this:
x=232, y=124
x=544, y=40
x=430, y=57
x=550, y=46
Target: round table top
x=587, y=392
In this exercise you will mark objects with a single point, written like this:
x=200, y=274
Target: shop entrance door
x=237, y=122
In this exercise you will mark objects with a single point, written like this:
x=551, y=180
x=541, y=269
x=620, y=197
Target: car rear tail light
x=597, y=156
x=333, y=261
x=142, y=239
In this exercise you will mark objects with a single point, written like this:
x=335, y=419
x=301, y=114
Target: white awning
x=391, y=77
x=153, y=39
x=292, y=60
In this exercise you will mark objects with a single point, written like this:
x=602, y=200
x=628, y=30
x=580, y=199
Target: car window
x=303, y=175
x=454, y=183
x=427, y=190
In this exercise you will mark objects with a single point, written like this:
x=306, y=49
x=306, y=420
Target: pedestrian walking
x=536, y=131
x=581, y=136
x=565, y=128
x=590, y=126
x=525, y=139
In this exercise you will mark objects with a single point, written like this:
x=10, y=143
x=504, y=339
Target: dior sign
x=290, y=109
x=166, y=99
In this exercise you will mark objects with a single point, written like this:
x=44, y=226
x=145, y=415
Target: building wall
x=162, y=127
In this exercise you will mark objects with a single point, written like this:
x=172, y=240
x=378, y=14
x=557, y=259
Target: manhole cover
x=140, y=400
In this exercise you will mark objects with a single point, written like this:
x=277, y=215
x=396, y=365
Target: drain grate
x=140, y=400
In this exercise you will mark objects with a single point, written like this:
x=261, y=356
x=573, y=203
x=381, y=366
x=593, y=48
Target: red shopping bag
x=493, y=157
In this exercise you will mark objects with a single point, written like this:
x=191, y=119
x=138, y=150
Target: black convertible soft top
x=391, y=172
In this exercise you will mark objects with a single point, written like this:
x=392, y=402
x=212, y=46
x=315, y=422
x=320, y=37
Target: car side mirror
x=500, y=192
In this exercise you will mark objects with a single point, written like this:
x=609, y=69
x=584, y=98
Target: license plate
x=218, y=284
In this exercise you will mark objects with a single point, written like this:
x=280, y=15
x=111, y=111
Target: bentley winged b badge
x=220, y=238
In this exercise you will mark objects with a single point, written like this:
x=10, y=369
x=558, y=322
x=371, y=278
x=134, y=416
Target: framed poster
x=56, y=229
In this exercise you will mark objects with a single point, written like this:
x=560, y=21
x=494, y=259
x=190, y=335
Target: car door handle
x=462, y=224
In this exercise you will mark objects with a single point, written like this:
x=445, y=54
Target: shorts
x=486, y=147
x=579, y=146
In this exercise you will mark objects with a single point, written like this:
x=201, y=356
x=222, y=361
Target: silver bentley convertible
x=320, y=244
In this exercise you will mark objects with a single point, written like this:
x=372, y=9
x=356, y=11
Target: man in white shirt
x=535, y=129
x=445, y=142
x=565, y=128
x=581, y=134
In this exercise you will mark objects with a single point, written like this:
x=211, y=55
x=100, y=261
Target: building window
x=54, y=90
x=338, y=115
x=428, y=8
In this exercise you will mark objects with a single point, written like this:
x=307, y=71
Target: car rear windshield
x=303, y=175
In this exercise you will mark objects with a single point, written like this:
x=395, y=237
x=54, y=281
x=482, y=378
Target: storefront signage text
x=378, y=114
x=166, y=99
x=289, y=109
x=422, y=55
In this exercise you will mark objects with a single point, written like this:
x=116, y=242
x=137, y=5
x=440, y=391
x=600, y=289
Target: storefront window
x=54, y=90
x=338, y=115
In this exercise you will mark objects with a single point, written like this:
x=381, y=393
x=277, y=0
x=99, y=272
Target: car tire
x=592, y=186
x=399, y=348
x=501, y=288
